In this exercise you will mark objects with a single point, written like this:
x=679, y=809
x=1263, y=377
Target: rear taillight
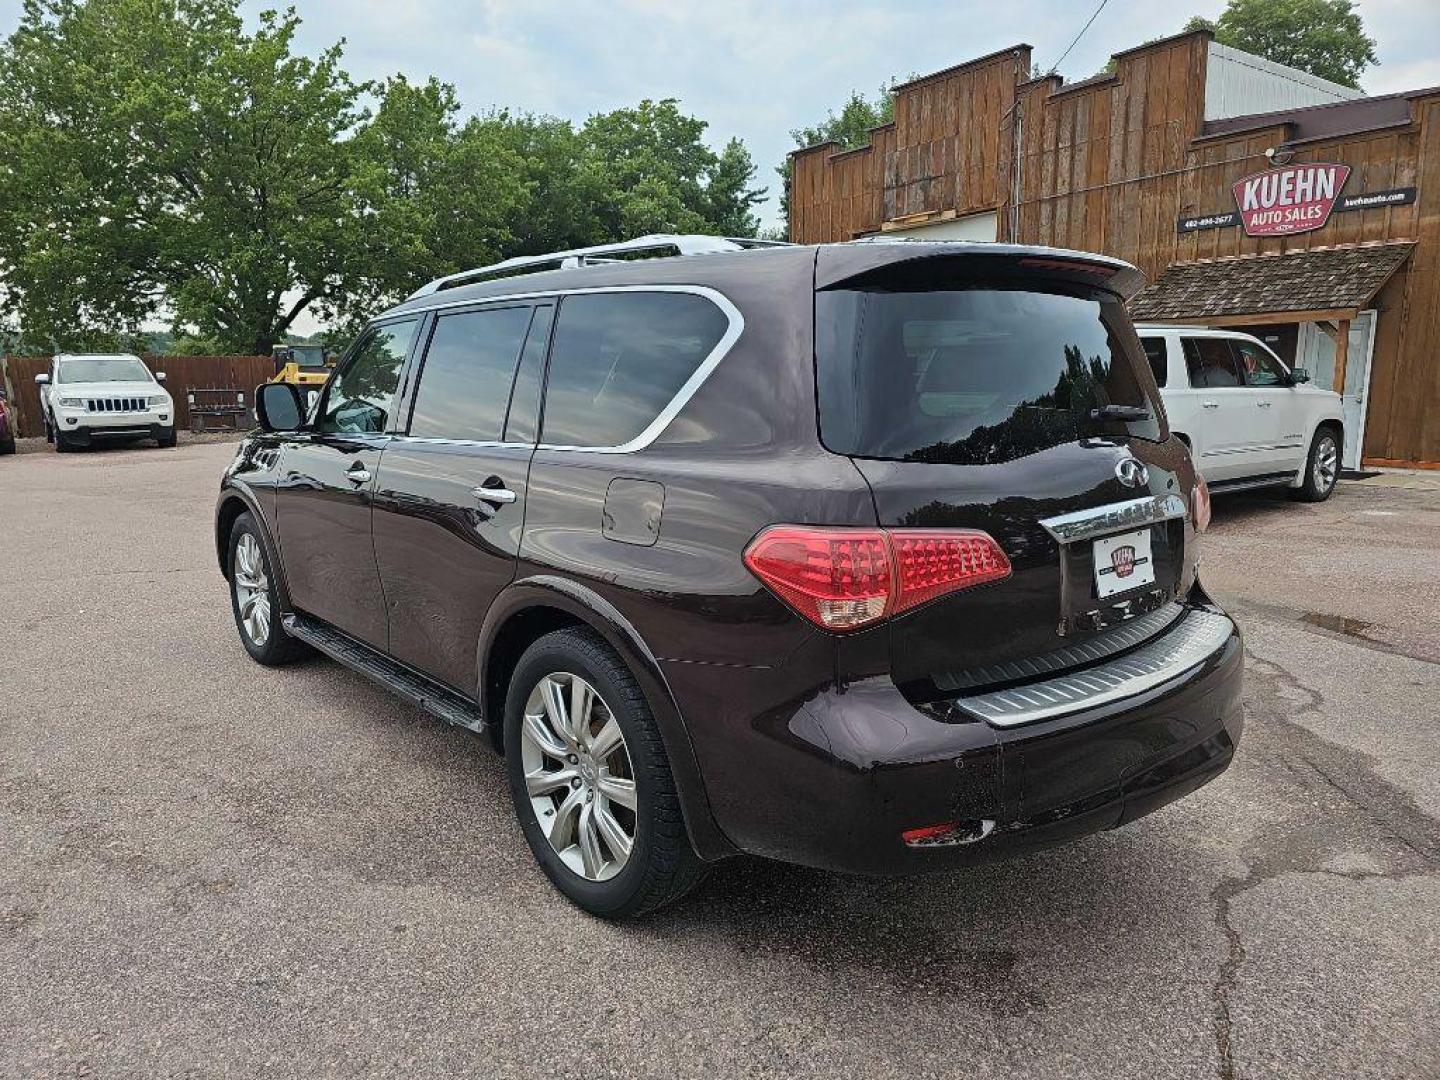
x=1200, y=504
x=842, y=579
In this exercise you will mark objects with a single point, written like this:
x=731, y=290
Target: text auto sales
x=1296, y=199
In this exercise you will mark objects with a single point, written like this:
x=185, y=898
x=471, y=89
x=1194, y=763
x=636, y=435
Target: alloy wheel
x=252, y=589
x=579, y=776
x=1327, y=464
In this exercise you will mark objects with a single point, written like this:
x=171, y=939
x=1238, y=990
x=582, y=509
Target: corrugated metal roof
x=1325, y=279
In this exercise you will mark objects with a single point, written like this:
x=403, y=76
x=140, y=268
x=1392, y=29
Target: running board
x=1284, y=479
x=434, y=698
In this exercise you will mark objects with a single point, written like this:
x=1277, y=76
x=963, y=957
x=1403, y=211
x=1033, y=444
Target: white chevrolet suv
x=1249, y=420
x=87, y=398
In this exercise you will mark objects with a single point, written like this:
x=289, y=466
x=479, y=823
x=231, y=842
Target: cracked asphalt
x=212, y=869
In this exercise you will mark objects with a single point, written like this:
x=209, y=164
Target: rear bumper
x=835, y=779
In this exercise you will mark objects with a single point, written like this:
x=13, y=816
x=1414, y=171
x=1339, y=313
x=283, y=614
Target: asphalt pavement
x=208, y=868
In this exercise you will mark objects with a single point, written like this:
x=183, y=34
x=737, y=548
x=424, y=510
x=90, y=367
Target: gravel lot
x=208, y=868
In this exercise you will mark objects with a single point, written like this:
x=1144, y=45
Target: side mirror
x=42, y=379
x=159, y=376
x=278, y=408
x=1299, y=375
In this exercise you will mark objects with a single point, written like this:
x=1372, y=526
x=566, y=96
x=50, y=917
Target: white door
x=1280, y=444
x=1227, y=423
x=1315, y=352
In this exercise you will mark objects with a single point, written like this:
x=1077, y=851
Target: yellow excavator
x=301, y=365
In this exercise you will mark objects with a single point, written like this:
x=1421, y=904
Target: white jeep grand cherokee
x=86, y=398
x=1248, y=419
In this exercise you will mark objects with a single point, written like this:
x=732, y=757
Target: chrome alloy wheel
x=578, y=776
x=1327, y=463
x=252, y=589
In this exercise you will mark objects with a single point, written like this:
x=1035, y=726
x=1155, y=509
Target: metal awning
x=1326, y=283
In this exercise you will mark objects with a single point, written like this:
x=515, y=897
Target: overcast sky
x=753, y=69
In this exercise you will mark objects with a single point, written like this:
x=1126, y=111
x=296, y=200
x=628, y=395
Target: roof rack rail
x=600, y=253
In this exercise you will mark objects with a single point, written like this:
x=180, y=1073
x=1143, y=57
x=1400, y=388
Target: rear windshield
x=975, y=376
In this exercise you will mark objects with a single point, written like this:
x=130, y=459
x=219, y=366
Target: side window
x=1211, y=362
x=469, y=366
x=619, y=359
x=523, y=423
x=1155, y=353
x=1261, y=369
x=361, y=396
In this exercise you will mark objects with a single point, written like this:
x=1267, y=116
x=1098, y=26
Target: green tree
x=1324, y=37
x=161, y=161
x=652, y=172
x=850, y=127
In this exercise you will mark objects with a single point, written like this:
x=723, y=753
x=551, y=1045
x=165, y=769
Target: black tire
x=62, y=444
x=166, y=439
x=662, y=866
x=277, y=647
x=7, y=446
x=1322, y=466
x=49, y=431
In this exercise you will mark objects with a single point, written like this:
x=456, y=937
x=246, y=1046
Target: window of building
x=619, y=359
x=469, y=367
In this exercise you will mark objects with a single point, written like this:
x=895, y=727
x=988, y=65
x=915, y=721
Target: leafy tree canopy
x=1324, y=37
x=163, y=162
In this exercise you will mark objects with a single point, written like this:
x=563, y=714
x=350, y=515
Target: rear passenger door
x=1225, y=422
x=450, y=496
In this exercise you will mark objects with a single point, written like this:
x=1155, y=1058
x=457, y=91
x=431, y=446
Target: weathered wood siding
x=182, y=374
x=943, y=151
x=1113, y=163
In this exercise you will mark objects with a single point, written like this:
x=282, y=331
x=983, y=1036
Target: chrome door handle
x=500, y=496
x=1209, y=404
x=1263, y=404
x=357, y=474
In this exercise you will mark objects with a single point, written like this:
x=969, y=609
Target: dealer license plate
x=1123, y=563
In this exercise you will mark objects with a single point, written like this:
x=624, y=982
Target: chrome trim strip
x=682, y=396
x=1100, y=647
x=1114, y=517
x=1193, y=641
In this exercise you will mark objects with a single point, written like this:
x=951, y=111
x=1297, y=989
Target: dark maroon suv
x=874, y=556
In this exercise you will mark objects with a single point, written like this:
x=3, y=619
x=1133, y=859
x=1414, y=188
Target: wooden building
x=1337, y=266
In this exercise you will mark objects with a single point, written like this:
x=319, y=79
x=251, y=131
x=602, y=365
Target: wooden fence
x=182, y=374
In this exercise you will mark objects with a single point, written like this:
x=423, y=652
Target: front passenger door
x=327, y=480
x=1280, y=428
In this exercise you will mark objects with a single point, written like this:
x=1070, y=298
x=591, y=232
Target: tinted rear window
x=619, y=358
x=973, y=376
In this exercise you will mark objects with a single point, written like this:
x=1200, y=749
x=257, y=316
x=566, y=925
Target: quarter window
x=361, y=397
x=469, y=366
x=619, y=359
x=1211, y=361
x=1261, y=369
x=1155, y=353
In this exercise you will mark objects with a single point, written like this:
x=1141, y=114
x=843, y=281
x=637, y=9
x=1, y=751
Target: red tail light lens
x=842, y=579
x=1200, y=504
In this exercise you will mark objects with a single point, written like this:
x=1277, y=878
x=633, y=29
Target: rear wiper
x=1120, y=412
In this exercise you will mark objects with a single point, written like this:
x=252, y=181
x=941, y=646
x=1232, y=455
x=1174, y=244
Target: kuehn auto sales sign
x=1294, y=199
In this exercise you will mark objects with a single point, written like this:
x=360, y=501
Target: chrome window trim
x=1114, y=517
x=652, y=431
x=433, y=440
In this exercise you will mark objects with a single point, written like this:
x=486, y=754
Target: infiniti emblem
x=1132, y=473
